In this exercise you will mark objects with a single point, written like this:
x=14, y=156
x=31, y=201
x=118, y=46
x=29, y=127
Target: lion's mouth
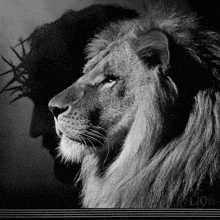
x=84, y=140
x=62, y=135
x=73, y=139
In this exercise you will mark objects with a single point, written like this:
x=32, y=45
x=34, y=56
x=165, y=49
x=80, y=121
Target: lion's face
x=100, y=103
x=99, y=107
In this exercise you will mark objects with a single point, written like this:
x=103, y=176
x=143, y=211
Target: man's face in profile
x=55, y=61
x=42, y=124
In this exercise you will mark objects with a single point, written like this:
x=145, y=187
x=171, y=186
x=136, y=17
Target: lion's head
x=144, y=117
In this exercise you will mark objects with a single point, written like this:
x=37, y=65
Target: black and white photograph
x=109, y=105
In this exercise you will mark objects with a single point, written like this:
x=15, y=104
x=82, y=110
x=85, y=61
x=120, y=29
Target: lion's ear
x=153, y=49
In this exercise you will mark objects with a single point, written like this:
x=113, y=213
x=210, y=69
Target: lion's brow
x=95, y=61
x=96, y=74
x=102, y=54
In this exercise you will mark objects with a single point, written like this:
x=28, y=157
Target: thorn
x=8, y=84
x=2, y=74
x=23, y=77
x=20, y=65
x=21, y=42
x=11, y=63
x=17, y=54
x=16, y=90
x=8, y=62
x=18, y=97
x=23, y=50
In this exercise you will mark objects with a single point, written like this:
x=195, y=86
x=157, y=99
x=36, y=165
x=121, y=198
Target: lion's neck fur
x=151, y=171
x=139, y=181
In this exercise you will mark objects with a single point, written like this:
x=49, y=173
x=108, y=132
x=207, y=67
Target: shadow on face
x=55, y=61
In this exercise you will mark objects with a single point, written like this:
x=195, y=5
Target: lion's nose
x=56, y=111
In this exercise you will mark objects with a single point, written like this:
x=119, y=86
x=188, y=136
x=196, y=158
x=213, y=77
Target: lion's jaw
x=68, y=149
x=71, y=148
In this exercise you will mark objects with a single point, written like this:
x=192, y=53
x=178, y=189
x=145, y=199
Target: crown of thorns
x=20, y=73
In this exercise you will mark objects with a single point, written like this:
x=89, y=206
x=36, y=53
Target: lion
x=144, y=119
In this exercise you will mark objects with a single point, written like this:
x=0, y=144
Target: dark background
x=26, y=168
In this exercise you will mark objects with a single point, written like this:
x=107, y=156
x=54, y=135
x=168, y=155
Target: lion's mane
x=170, y=157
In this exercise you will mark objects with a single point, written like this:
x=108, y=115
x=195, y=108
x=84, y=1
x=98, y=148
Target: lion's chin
x=71, y=150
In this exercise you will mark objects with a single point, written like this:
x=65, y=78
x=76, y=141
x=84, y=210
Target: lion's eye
x=109, y=81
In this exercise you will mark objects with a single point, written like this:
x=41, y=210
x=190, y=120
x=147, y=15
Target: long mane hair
x=170, y=157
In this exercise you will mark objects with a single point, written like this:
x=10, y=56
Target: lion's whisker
x=88, y=136
x=95, y=135
x=93, y=146
x=99, y=128
x=107, y=143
